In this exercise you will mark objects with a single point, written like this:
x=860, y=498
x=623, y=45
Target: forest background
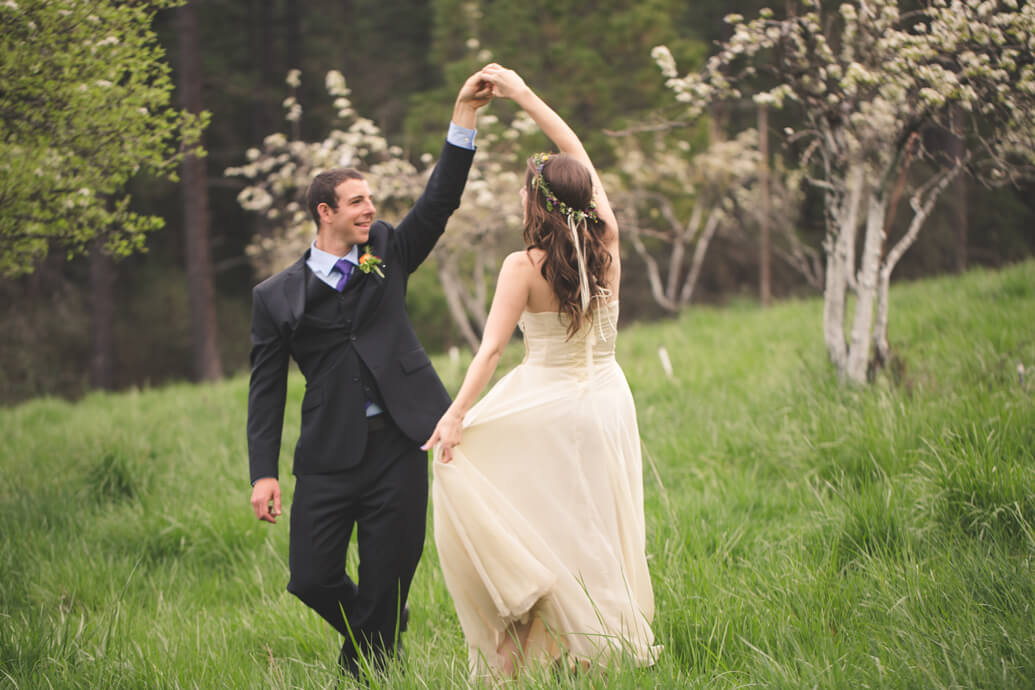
x=94, y=322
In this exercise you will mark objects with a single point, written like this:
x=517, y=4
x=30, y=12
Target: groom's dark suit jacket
x=373, y=340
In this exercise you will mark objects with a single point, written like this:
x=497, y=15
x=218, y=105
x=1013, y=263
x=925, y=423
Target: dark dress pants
x=386, y=498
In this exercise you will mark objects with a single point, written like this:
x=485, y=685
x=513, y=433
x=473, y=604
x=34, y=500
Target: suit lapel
x=294, y=290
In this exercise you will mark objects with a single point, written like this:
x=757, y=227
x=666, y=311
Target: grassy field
x=800, y=533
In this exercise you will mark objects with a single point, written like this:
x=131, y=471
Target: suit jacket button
x=352, y=337
x=355, y=379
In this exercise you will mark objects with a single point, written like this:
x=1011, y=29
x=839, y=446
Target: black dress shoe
x=350, y=665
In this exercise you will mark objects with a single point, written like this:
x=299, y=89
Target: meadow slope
x=800, y=533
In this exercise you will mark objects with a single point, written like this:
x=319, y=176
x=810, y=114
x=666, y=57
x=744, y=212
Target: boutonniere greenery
x=369, y=262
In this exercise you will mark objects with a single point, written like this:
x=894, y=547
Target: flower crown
x=552, y=202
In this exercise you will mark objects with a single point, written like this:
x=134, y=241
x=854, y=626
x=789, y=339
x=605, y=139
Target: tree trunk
x=294, y=40
x=680, y=237
x=475, y=300
x=657, y=290
x=960, y=214
x=102, y=318
x=453, y=289
x=201, y=292
x=270, y=83
x=700, y=249
x=866, y=289
x=840, y=258
x=765, y=286
x=959, y=207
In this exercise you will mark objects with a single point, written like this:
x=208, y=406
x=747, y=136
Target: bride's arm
x=507, y=304
x=508, y=84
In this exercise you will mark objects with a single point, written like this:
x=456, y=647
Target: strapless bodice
x=547, y=342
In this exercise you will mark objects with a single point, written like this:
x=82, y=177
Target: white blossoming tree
x=280, y=172
x=870, y=81
x=85, y=104
x=676, y=203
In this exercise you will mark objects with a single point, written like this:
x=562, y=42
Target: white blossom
x=254, y=198
x=663, y=57
x=335, y=83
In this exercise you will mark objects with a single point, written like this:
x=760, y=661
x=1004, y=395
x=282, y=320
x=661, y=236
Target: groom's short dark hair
x=322, y=188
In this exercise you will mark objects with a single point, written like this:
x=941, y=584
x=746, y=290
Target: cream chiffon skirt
x=539, y=519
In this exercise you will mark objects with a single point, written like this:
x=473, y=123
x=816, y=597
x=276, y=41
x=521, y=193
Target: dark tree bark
x=102, y=318
x=293, y=39
x=958, y=193
x=765, y=280
x=201, y=291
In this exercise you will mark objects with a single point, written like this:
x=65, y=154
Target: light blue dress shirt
x=322, y=263
x=461, y=136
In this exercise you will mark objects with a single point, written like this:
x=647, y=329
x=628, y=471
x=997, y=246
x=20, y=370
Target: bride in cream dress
x=537, y=492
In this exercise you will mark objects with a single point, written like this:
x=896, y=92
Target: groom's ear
x=324, y=210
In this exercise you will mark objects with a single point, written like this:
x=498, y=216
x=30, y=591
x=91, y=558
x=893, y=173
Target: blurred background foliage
x=404, y=61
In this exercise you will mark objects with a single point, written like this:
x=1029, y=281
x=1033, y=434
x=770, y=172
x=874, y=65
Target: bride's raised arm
x=508, y=84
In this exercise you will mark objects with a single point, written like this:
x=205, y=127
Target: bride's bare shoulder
x=526, y=259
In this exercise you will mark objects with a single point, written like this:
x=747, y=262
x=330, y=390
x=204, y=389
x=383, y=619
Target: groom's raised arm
x=425, y=223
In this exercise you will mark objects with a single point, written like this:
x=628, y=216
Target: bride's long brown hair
x=548, y=230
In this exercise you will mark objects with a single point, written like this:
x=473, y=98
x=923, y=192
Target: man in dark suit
x=371, y=396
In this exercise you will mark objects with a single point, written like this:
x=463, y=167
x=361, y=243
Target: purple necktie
x=346, y=270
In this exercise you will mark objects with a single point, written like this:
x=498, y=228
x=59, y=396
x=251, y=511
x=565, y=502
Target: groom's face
x=355, y=211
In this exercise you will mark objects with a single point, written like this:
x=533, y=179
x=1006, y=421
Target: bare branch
x=922, y=202
x=710, y=228
x=653, y=273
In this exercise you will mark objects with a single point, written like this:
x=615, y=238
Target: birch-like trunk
x=657, y=290
x=453, y=290
x=675, y=262
x=475, y=299
x=881, y=347
x=866, y=289
x=673, y=292
x=840, y=254
x=710, y=228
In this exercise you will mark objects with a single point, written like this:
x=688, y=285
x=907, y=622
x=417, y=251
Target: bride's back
x=541, y=296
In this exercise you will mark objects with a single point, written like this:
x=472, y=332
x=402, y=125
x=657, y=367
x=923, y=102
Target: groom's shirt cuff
x=461, y=136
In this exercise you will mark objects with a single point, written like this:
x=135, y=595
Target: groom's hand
x=266, y=499
x=474, y=94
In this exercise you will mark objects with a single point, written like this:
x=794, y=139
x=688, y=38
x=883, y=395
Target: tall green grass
x=800, y=533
